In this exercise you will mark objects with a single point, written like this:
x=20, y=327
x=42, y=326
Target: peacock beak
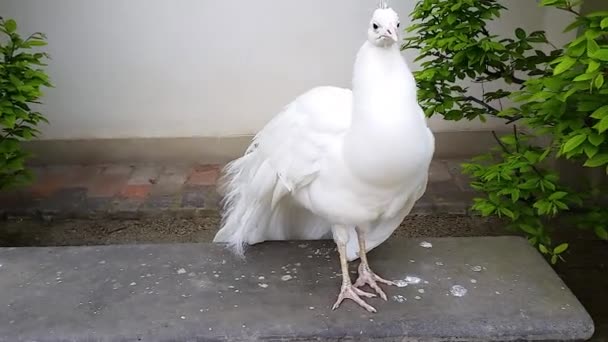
x=392, y=33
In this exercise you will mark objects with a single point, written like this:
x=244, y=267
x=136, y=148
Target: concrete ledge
x=283, y=292
x=207, y=150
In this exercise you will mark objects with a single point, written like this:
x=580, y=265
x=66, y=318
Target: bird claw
x=366, y=276
x=351, y=292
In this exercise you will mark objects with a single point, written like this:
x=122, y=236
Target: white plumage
x=336, y=162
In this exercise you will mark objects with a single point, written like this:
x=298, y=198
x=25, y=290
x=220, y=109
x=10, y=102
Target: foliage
x=21, y=80
x=558, y=93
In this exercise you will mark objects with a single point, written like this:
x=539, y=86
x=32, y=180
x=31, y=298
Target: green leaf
x=602, y=126
x=10, y=26
x=508, y=213
x=531, y=156
x=37, y=42
x=574, y=142
x=599, y=81
x=520, y=33
x=545, y=154
x=596, y=139
x=528, y=229
x=592, y=47
x=597, y=14
x=577, y=50
x=558, y=195
x=509, y=112
x=547, y=184
x=564, y=65
x=515, y=195
x=561, y=205
x=591, y=150
x=533, y=240
x=452, y=18
x=597, y=160
x=601, y=55
x=543, y=207
x=554, y=259
x=593, y=66
x=604, y=23
x=584, y=77
x=600, y=113
x=560, y=249
x=543, y=249
x=580, y=40
x=601, y=232
x=529, y=184
x=592, y=33
x=508, y=139
x=541, y=95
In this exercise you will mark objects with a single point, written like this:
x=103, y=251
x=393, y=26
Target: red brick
x=45, y=187
x=207, y=167
x=171, y=180
x=204, y=175
x=83, y=176
x=110, y=182
x=145, y=175
x=136, y=192
x=118, y=170
x=48, y=180
x=106, y=186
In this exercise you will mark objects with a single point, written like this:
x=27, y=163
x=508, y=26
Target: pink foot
x=368, y=277
x=351, y=292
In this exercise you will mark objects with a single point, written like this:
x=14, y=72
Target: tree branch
x=485, y=31
x=440, y=55
x=493, y=110
x=516, y=138
x=504, y=148
x=571, y=10
x=499, y=74
x=513, y=119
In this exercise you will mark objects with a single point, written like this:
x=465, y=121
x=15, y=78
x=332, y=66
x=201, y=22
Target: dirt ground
x=16, y=233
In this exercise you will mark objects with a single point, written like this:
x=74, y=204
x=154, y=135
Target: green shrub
x=560, y=94
x=21, y=80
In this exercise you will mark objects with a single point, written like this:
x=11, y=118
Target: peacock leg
x=347, y=290
x=366, y=275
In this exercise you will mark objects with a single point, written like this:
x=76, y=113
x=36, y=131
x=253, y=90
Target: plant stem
x=493, y=110
x=485, y=31
x=516, y=138
x=571, y=10
x=504, y=148
x=513, y=119
x=499, y=74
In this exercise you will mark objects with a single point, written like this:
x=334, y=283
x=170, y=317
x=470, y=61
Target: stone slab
x=284, y=291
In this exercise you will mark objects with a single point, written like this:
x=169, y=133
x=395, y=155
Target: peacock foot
x=368, y=277
x=351, y=292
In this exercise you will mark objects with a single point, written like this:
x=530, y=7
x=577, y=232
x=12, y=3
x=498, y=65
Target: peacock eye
x=375, y=26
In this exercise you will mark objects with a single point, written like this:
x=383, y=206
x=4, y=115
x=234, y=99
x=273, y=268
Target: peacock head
x=384, y=27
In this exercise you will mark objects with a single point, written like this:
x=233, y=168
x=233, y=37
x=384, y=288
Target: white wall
x=179, y=68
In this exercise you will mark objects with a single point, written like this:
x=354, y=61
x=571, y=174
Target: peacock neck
x=383, y=86
x=387, y=123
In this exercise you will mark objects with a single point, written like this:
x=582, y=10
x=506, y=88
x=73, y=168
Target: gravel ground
x=15, y=233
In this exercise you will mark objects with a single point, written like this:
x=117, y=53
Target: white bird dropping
x=425, y=244
x=458, y=291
